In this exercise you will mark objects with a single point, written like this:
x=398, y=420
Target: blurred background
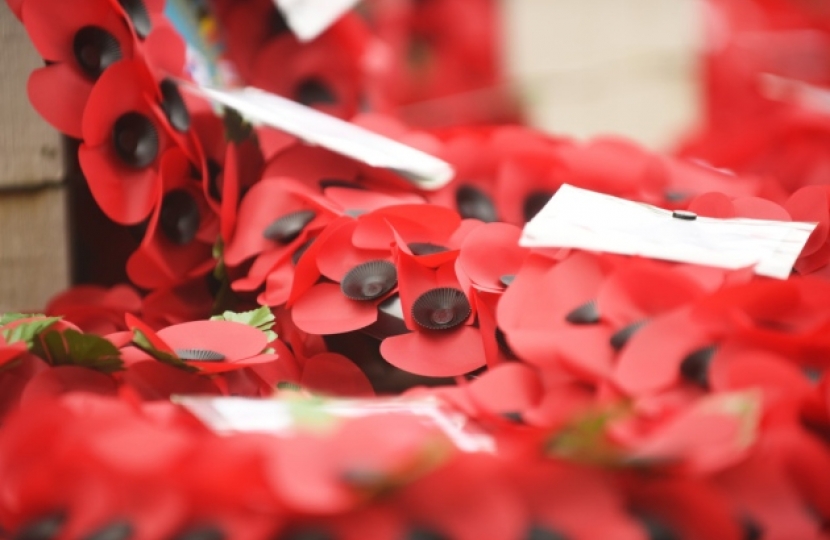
x=580, y=67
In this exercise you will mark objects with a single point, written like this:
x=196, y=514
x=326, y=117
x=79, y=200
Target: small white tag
x=285, y=417
x=581, y=219
x=426, y=171
x=310, y=18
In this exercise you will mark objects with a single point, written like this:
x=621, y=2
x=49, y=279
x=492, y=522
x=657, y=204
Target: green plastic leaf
x=7, y=318
x=142, y=342
x=27, y=331
x=72, y=348
x=237, y=129
x=585, y=439
x=262, y=319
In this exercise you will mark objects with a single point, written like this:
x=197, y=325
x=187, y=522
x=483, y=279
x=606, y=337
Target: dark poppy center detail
x=95, y=50
x=534, y=203
x=473, y=203
x=538, y=532
x=173, y=106
x=295, y=257
x=179, y=219
x=119, y=530
x=137, y=12
x=287, y=228
x=200, y=355
x=203, y=532
x=507, y=279
x=313, y=91
x=369, y=281
x=426, y=248
x=587, y=313
x=695, y=367
x=326, y=183
x=621, y=337
x=44, y=528
x=441, y=309
x=135, y=139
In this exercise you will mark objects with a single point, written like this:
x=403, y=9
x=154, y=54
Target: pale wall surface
x=34, y=258
x=599, y=66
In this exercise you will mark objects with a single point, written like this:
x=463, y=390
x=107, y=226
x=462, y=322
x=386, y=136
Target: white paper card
x=310, y=18
x=582, y=219
x=260, y=107
x=278, y=417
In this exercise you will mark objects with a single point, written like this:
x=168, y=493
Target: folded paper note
x=310, y=18
x=286, y=416
x=341, y=137
x=582, y=219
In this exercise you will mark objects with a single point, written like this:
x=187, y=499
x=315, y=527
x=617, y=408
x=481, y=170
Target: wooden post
x=33, y=224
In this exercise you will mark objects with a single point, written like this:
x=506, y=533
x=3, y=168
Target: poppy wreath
x=609, y=396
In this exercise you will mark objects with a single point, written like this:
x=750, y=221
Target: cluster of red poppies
x=625, y=398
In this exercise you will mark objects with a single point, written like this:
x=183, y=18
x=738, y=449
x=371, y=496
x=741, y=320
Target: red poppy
x=441, y=342
x=188, y=301
x=209, y=346
x=95, y=309
x=83, y=41
x=812, y=204
x=549, y=315
x=490, y=256
x=276, y=219
x=326, y=73
x=357, y=259
x=178, y=242
x=126, y=132
x=248, y=26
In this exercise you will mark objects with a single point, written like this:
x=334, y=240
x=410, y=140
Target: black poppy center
x=200, y=355
x=620, y=338
x=287, y=228
x=95, y=50
x=695, y=367
x=295, y=257
x=179, y=219
x=441, y=309
x=426, y=248
x=135, y=139
x=44, y=528
x=587, y=313
x=313, y=91
x=173, y=106
x=137, y=12
x=118, y=530
x=369, y=281
x=473, y=203
x=534, y=203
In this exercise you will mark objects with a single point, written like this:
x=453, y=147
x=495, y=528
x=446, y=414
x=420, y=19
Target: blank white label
x=582, y=219
x=310, y=18
x=260, y=107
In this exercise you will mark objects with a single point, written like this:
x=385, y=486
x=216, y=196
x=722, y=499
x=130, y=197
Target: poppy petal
x=233, y=340
x=334, y=374
x=64, y=109
x=324, y=309
x=436, y=354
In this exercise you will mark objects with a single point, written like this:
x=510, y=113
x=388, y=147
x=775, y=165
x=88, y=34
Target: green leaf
x=262, y=319
x=72, y=348
x=237, y=129
x=585, y=439
x=142, y=342
x=6, y=318
x=27, y=331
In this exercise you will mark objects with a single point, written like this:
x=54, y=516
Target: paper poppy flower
x=208, y=346
x=129, y=123
x=248, y=27
x=184, y=302
x=357, y=259
x=96, y=309
x=178, y=242
x=549, y=315
x=82, y=41
x=812, y=204
x=490, y=256
x=276, y=219
x=441, y=342
x=326, y=73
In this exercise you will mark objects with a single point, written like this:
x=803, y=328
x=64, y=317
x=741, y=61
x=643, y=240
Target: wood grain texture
x=33, y=249
x=33, y=240
x=30, y=150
